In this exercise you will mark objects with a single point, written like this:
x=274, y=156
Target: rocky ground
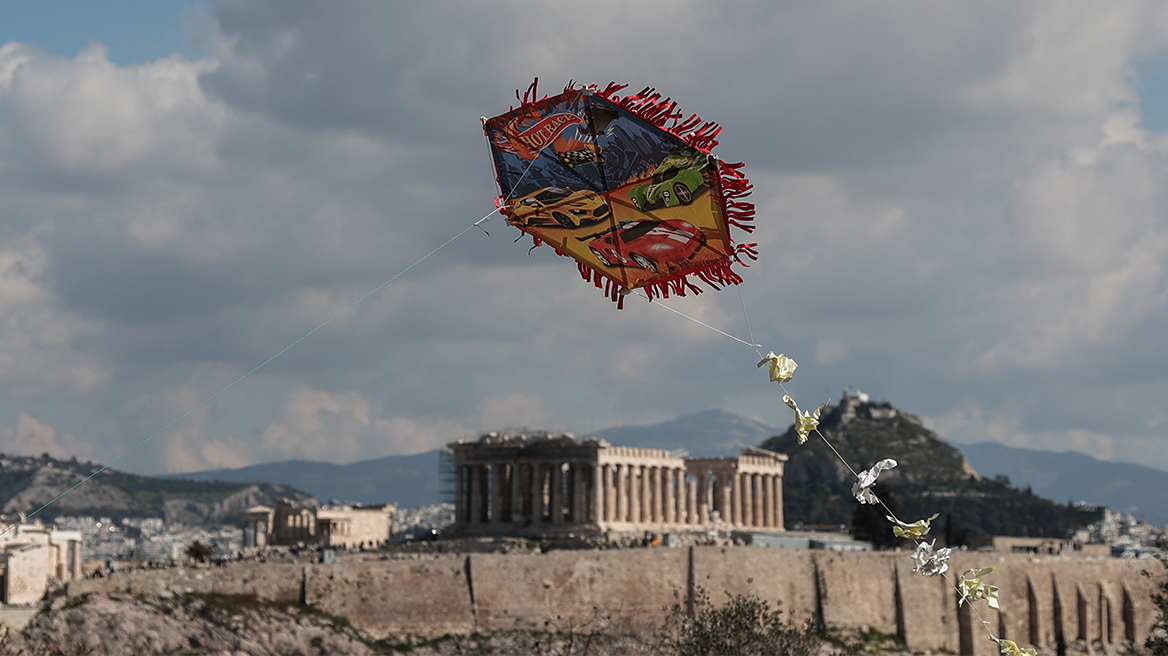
x=112, y=624
x=239, y=625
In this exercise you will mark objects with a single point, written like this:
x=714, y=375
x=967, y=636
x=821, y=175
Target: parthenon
x=543, y=485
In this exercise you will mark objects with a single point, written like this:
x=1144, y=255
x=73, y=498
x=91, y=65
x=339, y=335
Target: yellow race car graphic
x=559, y=206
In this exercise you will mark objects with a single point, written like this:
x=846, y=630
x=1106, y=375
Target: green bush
x=1157, y=642
x=745, y=624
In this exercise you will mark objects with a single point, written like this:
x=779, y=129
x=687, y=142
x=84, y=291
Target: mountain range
x=413, y=480
x=28, y=483
x=1125, y=487
x=410, y=481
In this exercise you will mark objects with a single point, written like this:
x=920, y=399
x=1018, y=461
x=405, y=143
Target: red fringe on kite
x=662, y=113
x=649, y=106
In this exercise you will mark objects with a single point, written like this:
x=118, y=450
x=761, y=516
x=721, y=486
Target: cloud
x=317, y=425
x=31, y=437
x=958, y=211
x=514, y=410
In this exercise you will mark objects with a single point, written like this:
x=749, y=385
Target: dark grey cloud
x=958, y=212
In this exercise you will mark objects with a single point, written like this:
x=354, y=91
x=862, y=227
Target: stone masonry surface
x=1045, y=599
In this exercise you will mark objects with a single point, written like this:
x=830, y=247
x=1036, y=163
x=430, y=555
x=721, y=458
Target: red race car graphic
x=650, y=245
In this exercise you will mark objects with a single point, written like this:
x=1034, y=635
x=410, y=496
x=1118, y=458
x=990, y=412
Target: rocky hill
x=27, y=483
x=190, y=624
x=931, y=477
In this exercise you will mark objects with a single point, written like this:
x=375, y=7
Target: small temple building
x=33, y=556
x=345, y=527
x=543, y=485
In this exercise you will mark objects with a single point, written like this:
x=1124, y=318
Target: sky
x=962, y=209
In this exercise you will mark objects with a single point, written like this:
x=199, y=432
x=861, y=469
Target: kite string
x=952, y=583
x=746, y=316
x=751, y=343
x=476, y=224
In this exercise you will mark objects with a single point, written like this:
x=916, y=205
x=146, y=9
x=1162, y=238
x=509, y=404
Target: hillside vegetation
x=27, y=483
x=931, y=477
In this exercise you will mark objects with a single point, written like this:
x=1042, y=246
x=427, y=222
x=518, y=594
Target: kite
x=625, y=186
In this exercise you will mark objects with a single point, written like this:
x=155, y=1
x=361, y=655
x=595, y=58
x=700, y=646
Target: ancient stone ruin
x=542, y=485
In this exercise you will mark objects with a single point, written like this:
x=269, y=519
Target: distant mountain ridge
x=27, y=483
x=410, y=481
x=702, y=434
x=413, y=480
x=1124, y=487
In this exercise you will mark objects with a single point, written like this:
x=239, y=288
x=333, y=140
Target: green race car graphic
x=675, y=181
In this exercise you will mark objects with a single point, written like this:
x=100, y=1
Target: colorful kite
x=624, y=186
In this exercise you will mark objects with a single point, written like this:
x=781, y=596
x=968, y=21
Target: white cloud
x=343, y=427
x=957, y=205
x=513, y=410
x=31, y=437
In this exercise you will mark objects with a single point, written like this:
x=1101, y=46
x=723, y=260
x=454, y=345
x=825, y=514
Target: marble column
x=635, y=494
x=681, y=496
x=557, y=496
x=756, y=481
x=703, y=498
x=537, y=481
x=496, y=493
x=770, y=492
x=670, y=490
x=577, y=473
x=622, y=493
x=763, y=502
x=657, y=516
x=691, y=502
x=599, y=490
x=516, y=493
x=720, y=497
x=735, y=500
x=646, y=495
x=610, y=494
x=777, y=483
x=747, y=500
x=474, y=516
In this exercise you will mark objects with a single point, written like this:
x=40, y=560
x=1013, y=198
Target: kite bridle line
x=25, y=519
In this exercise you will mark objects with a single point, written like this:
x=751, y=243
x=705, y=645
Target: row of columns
x=644, y=494
x=526, y=492
x=667, y=495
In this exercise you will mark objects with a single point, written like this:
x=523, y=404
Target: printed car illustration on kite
x=650, y=245
x=674, y=182
x=558, y=205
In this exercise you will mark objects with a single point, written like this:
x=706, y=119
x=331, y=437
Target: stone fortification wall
x=1046, y=600
x=428, y=597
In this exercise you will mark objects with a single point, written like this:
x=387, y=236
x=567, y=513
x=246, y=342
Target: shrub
x=1157, y=642
x=745, y=624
